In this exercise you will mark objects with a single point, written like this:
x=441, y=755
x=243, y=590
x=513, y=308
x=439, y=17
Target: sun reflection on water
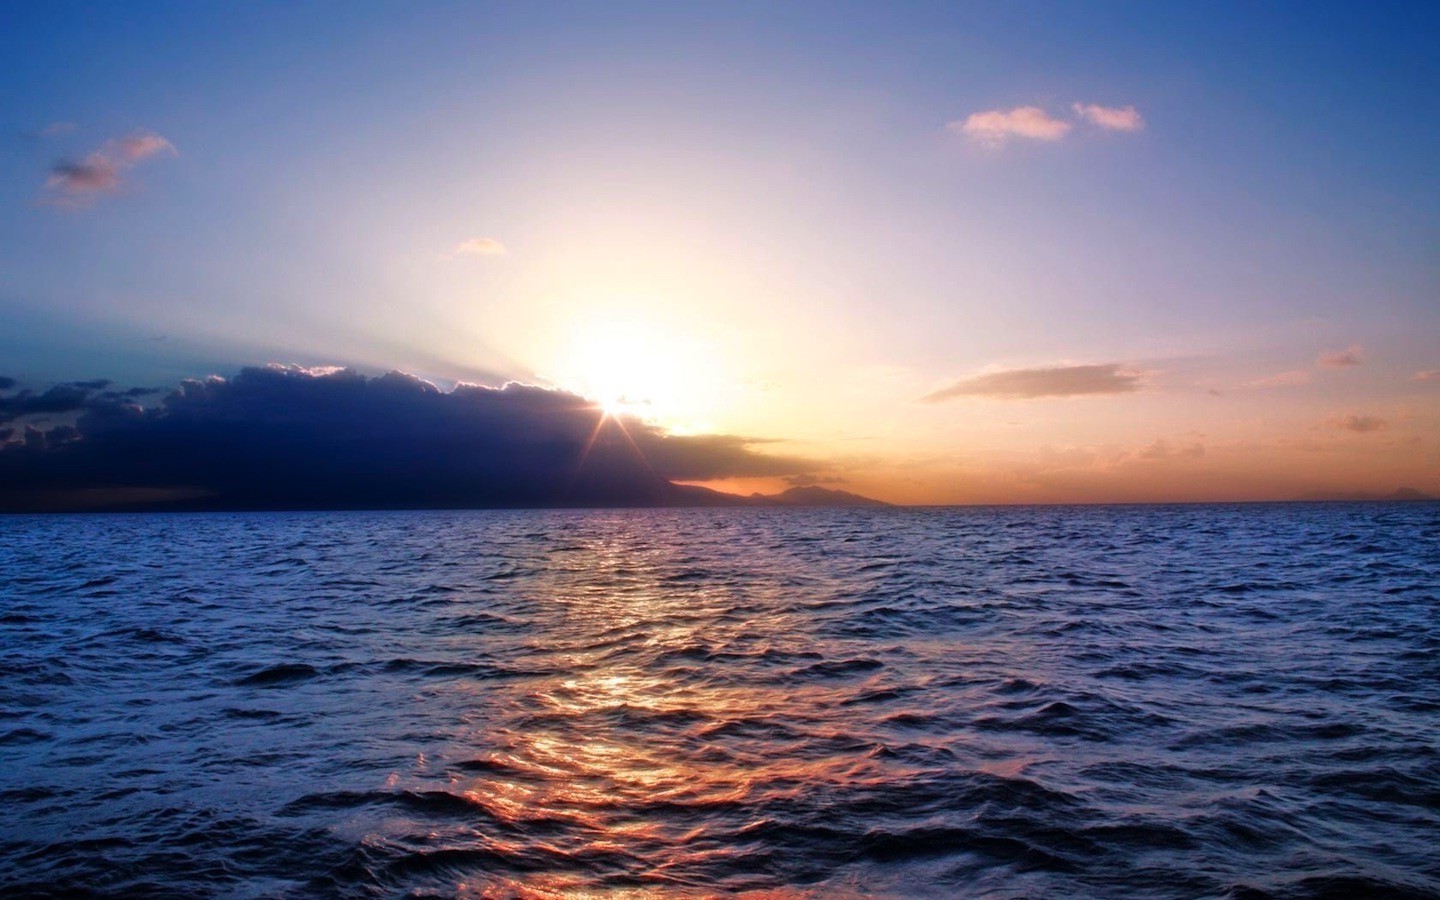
x=626, y=759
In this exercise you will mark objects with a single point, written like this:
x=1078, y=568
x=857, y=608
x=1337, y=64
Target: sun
x=620, y=370
x=638, y=369
x=612, y=407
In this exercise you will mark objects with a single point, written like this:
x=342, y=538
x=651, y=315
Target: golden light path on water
x=573, y=759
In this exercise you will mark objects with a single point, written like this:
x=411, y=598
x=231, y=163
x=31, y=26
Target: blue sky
x=774, y=216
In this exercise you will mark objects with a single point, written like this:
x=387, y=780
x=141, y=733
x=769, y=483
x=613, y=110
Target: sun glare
x=612, y=407
x=634, y=368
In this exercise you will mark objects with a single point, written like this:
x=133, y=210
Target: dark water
x=1123, y=701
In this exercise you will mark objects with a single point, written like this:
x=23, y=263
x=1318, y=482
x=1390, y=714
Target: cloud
x=1111, y=118
x=809, y=479
x=141, y=146
x=479, y=246
x=59, y=399
x=1429, y=375
x=75, y=184
x=1163, y=449
x=1057, y=381
x=1342, y=359
x=287, y=437
x=995, y=127
x=1358, y=423
x=49, y=132
x=96, y=172
x=1338, y=359
x=1284, y=379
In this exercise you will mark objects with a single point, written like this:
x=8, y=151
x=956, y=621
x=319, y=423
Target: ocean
x=1119, y=701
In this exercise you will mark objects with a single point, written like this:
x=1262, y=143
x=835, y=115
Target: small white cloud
x=996, y=126
x=1428, y=375
x=1111, y=118
x=479, y=246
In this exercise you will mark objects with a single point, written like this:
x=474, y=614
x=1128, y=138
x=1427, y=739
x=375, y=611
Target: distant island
x=796, y=496
x=816, y=496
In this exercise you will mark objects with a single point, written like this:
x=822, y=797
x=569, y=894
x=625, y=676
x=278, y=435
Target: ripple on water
x=1126, y=701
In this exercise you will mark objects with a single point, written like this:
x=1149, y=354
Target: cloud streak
x=1284, y=379
x=76, y=184
x=479, y=246
x=1111, y=118
x=1163, y=449
x=1054, y=381
x=1354, y=355
x=1360, y=424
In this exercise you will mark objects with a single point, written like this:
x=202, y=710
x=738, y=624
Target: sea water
x=1044, y=701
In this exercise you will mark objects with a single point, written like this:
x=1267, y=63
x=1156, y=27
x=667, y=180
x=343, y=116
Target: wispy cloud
x=808, y=479
x=142, y=145
x=1428, y=375
x=1353, y=355
x=74, y=184
x=48, y=132
x=1284, y=379
x=1055, y=381
x=1163, y=449
x=997, y=126
x=479, y=246
x=1359, y=423
x=1111, y=118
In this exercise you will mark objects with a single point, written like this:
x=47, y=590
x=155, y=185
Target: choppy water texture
x=1123, y=701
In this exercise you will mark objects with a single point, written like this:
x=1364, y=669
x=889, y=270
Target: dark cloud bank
x=291, y=438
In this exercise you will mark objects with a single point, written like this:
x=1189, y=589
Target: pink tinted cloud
x=996, y=126
x=1053, y=381
x=1284, y=379
x=1111, y=118
x=95, y=173
x=1359, y=423
x=1428, y=375
x=1353, y=355
x=77, y=184
x=142, y=145
x=1163, y=449
x=479, y=246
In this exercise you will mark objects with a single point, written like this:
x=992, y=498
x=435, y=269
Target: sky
x=937, y=253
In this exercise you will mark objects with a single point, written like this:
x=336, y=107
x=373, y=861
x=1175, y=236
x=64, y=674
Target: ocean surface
x=1186, y=701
